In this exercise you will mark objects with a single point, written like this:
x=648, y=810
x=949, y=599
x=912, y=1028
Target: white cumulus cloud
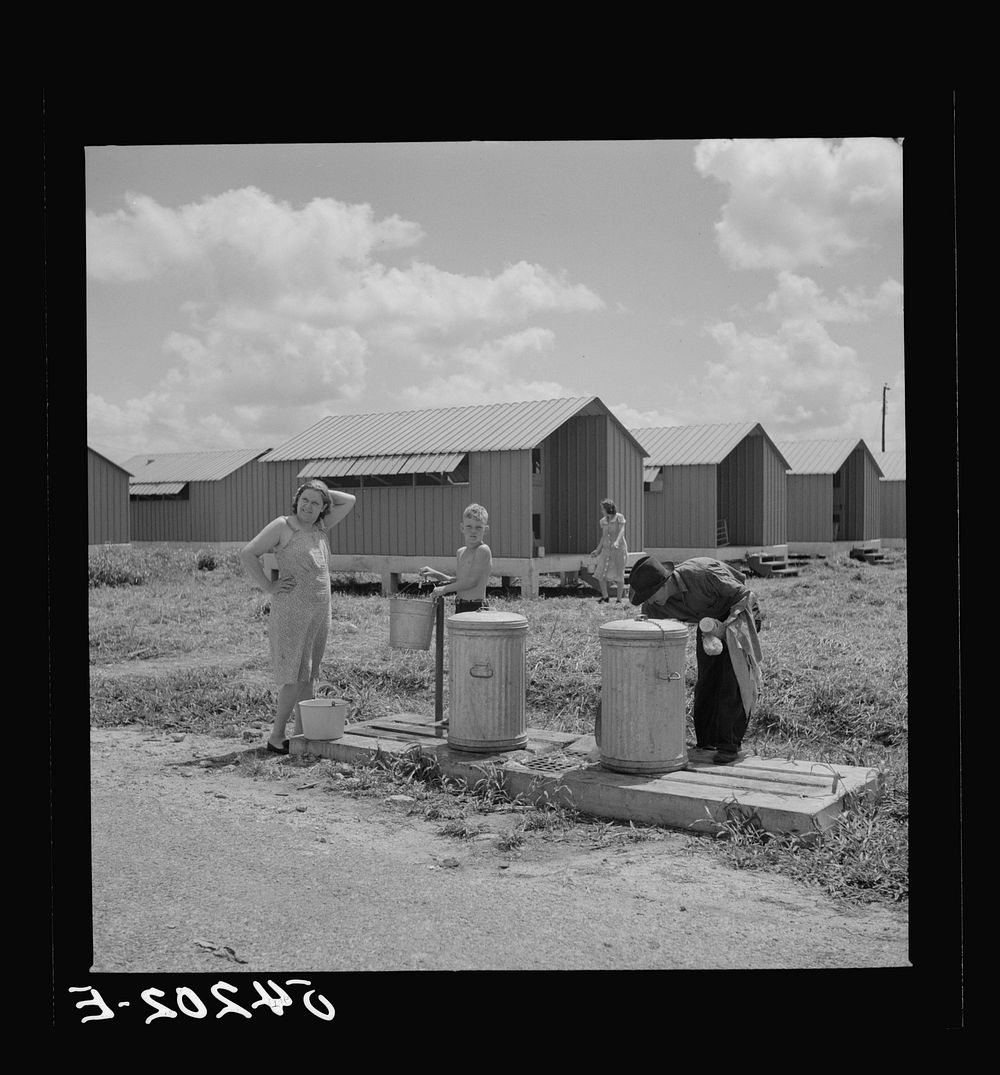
x=793, y=381
x=799, y=297
x=797, y=202
x=283, y=312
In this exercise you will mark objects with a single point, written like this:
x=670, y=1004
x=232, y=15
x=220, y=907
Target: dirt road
x=197, y=868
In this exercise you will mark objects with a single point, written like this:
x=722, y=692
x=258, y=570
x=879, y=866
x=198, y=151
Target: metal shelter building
x=893, y=496
x=107, y=501
x=540, y=468
x=217, y=496
x=834, y=495
x=712, y=490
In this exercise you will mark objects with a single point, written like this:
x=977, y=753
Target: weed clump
x=415, y=766
x=113, y=567
x=861, y=857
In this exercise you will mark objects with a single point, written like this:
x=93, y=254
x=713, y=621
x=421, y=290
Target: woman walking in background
x=612, y=551
x=299, y=618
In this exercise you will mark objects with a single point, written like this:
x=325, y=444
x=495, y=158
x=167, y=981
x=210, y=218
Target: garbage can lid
x=486, y=620
x=643, y=630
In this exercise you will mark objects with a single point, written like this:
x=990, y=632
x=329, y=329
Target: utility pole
x=885, y=388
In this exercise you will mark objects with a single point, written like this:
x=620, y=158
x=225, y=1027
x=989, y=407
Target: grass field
x=835, y=680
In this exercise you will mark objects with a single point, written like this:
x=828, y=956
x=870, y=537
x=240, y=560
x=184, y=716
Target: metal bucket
x=486, y=682
x=642, y=696
x=411, y=622
x=323, y=718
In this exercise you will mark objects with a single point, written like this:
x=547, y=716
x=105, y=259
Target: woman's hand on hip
x=285, y=585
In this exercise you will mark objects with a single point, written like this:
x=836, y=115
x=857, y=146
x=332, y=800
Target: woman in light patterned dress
x=612, y=551
x=299, y=617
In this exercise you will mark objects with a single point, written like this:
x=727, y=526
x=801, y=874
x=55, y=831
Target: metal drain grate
x=557, y=762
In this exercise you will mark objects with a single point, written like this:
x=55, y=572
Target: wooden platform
x=783, y=794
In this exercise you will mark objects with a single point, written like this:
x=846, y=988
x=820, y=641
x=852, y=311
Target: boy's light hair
x=478, y=512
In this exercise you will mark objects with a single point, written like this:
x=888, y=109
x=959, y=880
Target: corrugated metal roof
x=672, y=446
x=819, y=456
x=893, y=465
x=189, y=466
x=101, y=455
x=490, y=427
x=381, y=464
x=155, y=488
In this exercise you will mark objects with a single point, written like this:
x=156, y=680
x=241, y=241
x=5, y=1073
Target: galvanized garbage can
x=642, y=696
x=486, y=682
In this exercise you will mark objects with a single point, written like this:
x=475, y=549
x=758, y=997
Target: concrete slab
x=785, y=795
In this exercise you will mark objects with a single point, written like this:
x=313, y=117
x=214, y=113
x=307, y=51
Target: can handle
x=668, y=675
x=481, y=671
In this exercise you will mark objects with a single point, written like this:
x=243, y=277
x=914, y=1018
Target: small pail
x=486, y=682
x=411, y=622
x=643, y=696
x=323, y=718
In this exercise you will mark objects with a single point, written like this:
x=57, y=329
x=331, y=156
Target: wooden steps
x=766, y=565
x=800, y=559
x=868, y=556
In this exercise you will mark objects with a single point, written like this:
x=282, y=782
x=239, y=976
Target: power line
x=885, y=388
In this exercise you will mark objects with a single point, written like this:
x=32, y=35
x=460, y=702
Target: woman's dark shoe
x=725, y=757
x=272, y=749
x=602, y=601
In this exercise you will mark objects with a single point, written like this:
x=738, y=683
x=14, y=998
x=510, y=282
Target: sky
x=236, y=294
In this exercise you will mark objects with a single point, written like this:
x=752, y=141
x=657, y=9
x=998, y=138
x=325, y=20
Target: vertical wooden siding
x=160, y=520
x=425, y=520
x=574, y=458
x=893, y=509
x=402, y=520
x=193, y=519
x=624, y=484
x=873, y=499
x=775, y=497
x=107, y=503
x=245, y=502
x=810, y=507
x=234, y=508
x=739, y=492
x=501, y=482
x=683, y=515
x=277, y=488
x=752, y=495
x=260, y=492
x=862, y=500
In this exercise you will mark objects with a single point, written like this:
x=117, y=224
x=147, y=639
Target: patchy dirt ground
x=198, y=867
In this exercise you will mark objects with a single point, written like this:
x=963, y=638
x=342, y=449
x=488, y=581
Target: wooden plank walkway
x=784, y=794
